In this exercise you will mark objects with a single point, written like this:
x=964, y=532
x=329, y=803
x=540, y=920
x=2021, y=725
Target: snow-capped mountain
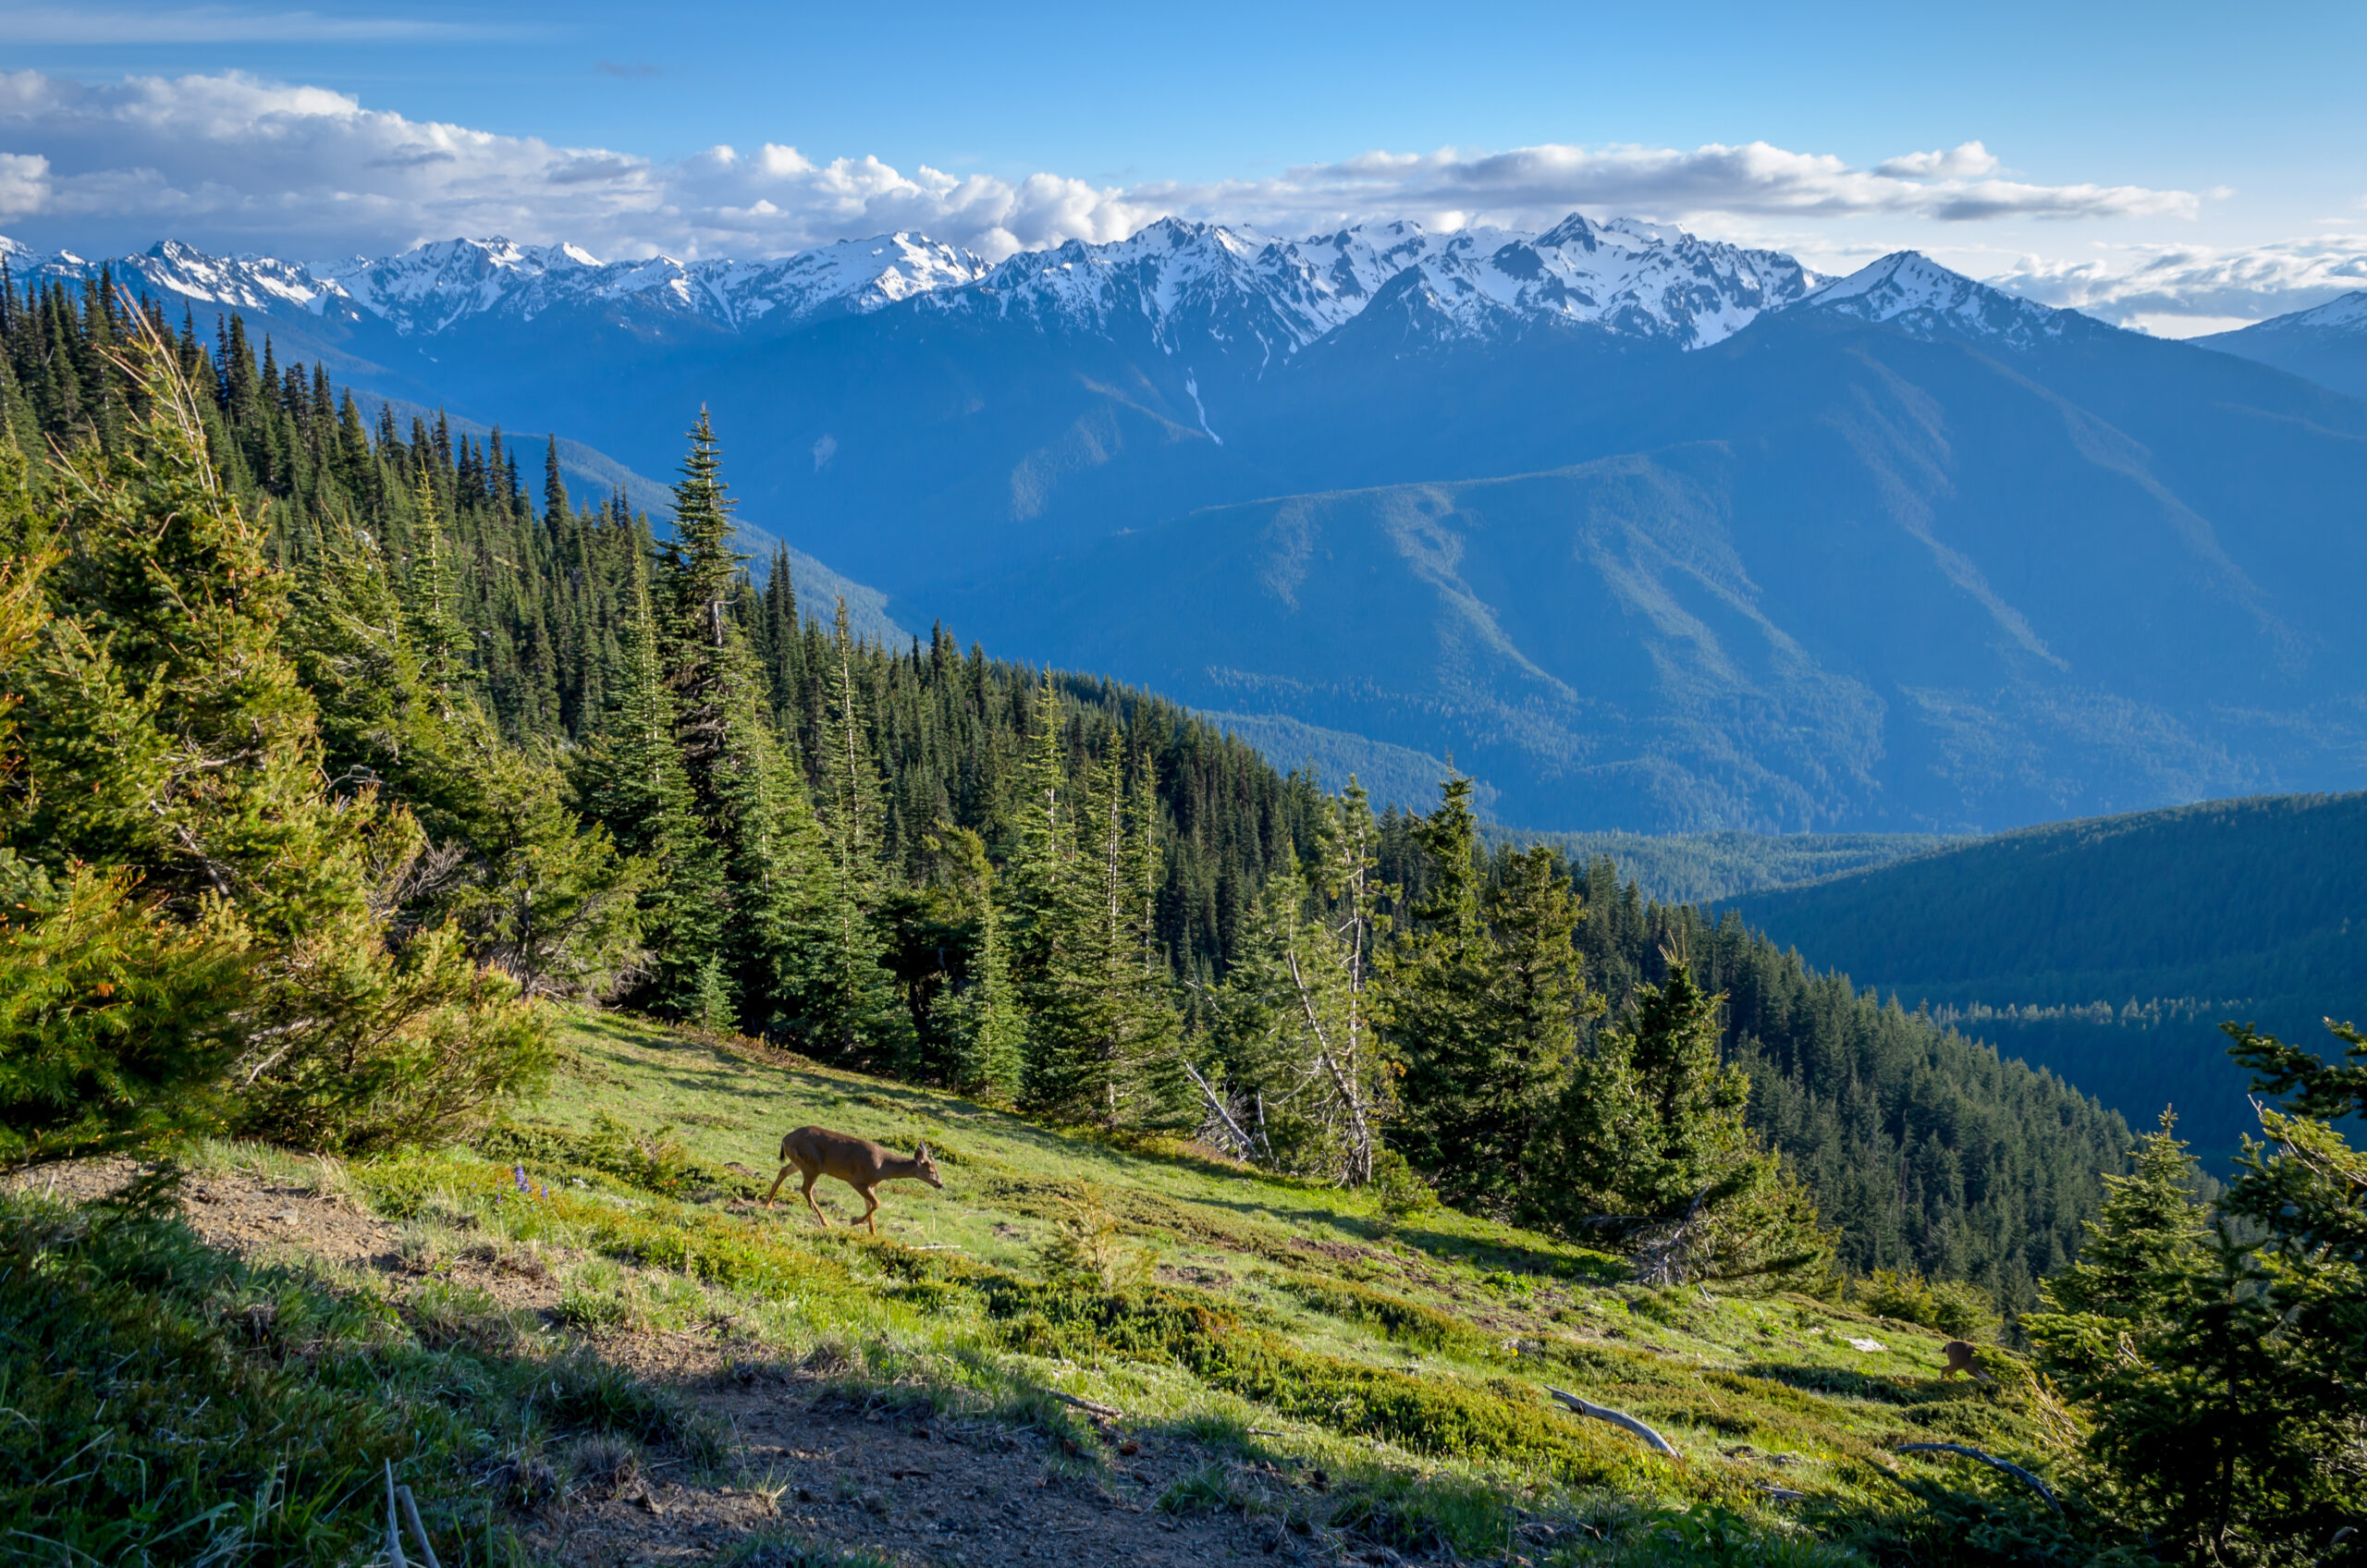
x=438, y=287
x=1918, y=295
x=2346, y=316
x=1176, y=280
x=257, y=284
x=1180, y=278
x=2327, y=344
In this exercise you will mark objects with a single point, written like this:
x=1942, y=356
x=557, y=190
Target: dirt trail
x=846, y=1471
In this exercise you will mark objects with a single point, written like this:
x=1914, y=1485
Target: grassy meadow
x=1401, y=1356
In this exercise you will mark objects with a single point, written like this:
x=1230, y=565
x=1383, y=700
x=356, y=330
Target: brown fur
x=816, y=1152
x=1961, y=1358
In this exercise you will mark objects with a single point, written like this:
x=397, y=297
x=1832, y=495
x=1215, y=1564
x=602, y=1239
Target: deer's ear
x=923, y=1152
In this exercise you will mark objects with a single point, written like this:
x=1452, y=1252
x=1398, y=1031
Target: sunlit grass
x=1287, y=1328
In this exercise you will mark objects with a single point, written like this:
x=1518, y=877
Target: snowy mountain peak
x=1915, y=293
x=2346, y=317
x=1194, y=288
x=1186, y=282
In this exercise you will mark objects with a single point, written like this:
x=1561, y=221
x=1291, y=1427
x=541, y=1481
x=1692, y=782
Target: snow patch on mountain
x=1912, y=292
x=2344, y=318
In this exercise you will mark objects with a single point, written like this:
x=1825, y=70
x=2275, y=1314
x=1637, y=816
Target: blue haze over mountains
x=1648, y=532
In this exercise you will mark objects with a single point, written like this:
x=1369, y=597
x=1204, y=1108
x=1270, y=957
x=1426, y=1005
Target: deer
x=1960, y=1354
x=816, y=1152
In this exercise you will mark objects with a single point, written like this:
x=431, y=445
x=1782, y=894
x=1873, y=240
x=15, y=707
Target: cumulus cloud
x=1968, y=160
x=235, y=162
x=2160, y=286
x=1536, y=184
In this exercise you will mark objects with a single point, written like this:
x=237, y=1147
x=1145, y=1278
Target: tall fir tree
x=1650, y=1147
x=634, y=783
x=1473, y=1080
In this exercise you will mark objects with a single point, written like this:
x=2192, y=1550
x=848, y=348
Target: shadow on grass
x=1881, y=1388
x=173, y=1403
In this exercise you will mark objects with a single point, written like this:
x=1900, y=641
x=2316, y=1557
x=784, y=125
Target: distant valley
x=1648, y=533
x=2109, y=950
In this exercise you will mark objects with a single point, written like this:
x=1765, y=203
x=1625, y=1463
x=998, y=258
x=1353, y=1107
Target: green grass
x=173, y=1404
x=1291, y=1329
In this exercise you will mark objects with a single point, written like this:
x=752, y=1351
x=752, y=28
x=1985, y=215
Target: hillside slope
x=2109, y=949
x=1269, y=1365
x=1827, y=575
x=1702, y=868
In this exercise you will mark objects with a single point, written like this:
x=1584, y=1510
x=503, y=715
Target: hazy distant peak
x=2344, y=318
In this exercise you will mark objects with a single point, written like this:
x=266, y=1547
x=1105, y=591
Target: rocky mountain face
x=1647, y=531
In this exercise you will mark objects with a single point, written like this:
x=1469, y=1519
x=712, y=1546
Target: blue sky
x=2225, y=144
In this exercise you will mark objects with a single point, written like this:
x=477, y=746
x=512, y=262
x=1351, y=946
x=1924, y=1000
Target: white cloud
x=1537, y=184
x=24, y=185
x=235, y=162
x=2175, y=290
x=1968, y=160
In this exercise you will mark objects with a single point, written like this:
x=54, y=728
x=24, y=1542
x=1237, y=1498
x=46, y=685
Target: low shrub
x=1947, y=1306
x=1405, y=1322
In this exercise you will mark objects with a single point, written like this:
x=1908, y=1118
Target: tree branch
x=1617, y=1418
x=2014, y=1470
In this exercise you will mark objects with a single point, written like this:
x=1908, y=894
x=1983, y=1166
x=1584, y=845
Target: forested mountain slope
x=1702, y=868
x=924, y=860
x=2109, y=949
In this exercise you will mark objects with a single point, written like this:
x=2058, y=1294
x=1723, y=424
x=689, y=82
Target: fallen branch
x=1109, y=1411
x=2016, y=1471
x=1242, y=1140
x=418, y=1530
x=394, y=1523
x=1617, y=1418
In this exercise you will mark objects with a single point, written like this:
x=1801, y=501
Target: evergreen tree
x=980, y=1023
x=115, y=1024
x=1650, y=1148
x=635, y=785
x=162, y=734
x=2203, y=1431
x=1484, y=998
x=1299, y=1082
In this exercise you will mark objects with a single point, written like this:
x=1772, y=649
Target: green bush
x=1406, y=1322
x=653, y=1161
x=1954, y=1309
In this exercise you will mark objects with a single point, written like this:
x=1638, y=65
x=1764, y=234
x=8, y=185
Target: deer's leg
x=872, y=1199
x=777, y=1182
x=812, y=1177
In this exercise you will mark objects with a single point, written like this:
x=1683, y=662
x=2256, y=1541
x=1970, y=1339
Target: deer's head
x=924, y=1166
